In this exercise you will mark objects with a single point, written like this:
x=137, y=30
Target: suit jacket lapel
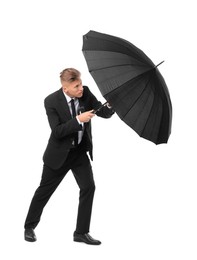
x=64, y=104
x=81, y=104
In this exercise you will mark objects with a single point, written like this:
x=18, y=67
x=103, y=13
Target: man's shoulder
x=86, y=90
x=53, y=95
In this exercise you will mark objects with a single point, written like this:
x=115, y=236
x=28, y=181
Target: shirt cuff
x=109, y=106
x=78, y=120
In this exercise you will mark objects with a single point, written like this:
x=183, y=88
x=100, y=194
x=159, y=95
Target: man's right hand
x=86, y=116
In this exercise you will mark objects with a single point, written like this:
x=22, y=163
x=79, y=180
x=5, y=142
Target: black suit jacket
x=63, y=126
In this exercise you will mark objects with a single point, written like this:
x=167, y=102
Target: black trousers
x=79, y=163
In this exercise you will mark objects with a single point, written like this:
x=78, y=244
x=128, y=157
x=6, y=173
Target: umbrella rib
x=115, y=66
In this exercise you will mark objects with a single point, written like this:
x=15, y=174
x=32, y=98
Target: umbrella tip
x=159, y=64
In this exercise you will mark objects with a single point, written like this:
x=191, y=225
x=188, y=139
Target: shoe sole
x=30, y=240
x=82, y=241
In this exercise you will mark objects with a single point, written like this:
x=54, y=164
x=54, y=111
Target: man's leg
x=84, y=177
x=49, y=182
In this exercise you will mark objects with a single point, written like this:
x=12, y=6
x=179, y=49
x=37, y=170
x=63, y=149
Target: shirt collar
x=68, y=99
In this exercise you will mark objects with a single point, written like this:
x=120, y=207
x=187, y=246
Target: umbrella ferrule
x=159, y=64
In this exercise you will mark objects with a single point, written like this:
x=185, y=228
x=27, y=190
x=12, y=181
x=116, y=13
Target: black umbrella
x=131, y=83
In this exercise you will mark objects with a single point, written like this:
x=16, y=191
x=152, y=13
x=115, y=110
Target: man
x=69, y=111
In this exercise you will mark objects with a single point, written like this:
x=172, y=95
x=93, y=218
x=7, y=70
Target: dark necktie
x=74, y=115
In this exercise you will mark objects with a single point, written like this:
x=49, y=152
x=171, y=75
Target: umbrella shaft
x=95, y=111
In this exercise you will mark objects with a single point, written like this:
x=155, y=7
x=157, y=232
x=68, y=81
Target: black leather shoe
x=85, y=238
x=30, y=235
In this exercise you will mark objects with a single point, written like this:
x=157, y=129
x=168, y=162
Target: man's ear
x=64, y=88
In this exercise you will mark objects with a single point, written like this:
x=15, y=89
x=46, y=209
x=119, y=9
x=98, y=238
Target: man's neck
x=68, y=98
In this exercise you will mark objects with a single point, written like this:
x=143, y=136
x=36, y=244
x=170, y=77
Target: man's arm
x=105, y=111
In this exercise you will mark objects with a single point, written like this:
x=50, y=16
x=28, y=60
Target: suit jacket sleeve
x=104, y=112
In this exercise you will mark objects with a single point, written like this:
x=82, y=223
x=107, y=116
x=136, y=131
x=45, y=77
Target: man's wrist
x=78, y=120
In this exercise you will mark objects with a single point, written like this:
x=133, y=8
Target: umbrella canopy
x=131, y=83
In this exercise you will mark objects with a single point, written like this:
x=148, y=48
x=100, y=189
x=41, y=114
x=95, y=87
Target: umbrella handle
x=103, y=105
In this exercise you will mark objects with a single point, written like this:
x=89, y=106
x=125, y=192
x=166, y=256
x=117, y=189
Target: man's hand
x=86, y=116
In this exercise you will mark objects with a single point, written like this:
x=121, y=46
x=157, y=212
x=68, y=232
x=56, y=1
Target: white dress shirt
x=76, y=103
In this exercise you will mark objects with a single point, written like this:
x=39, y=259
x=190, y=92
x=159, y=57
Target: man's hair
x=69, y=75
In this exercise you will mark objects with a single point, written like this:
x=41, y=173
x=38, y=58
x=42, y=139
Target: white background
x=145, y=201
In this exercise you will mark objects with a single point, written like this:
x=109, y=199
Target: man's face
x=73, y=89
